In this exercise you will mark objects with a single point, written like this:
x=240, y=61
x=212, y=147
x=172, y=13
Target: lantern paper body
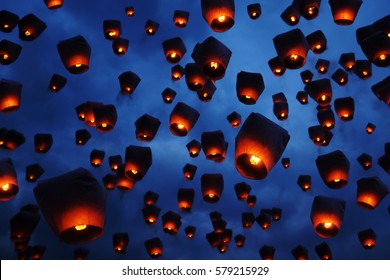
x=304, y=182
x=23, y=223
x=306, y=76
x=124, y=182
x=8, y=180
x=53, y=4
x=322, y=66
x=219, y=14
x=174, y=49
x=367, y=238
x=180, y=18
x=277, y=66
x=320, y=136
x=370, y=127
x=214, y=145
x=146, y=128
x=365, y=161
x=212, y=187
x=130, y=11
x=73, y=205
x=242, y=190
x=154, y=247
x=377, y=49
x=33, y=172
x=151, y=27
x=302, y=97
x=247, y=219
x=168, y=95
x=280, y=107
x=37, y=252
x=291, y=16
x=11, y=139
x=317, y=42
x=363, y=69
x=340, y=76
x=114, y=162
x=57, y=82
x=264, y=220
x=182, y=119
x=105, y=117
x=239, y=239
x=189, y=171
x=345, y=108
x=80, y=254
x=190, y=231
x=207, y=92
x=8, y=21
x=347, y=61
x=382, y=90
x=75, y=54
x=267, y=252
x=309, y=9
x=82, y=137
x=177, y=72
x=128, y=82
x=137, y=162
x=249, y=87
x=254, y=10
x=194, y=147
x=370, y=192
x=327, y=215
x=10, y=94
x=112, y=29
x=333, y=168
x=323, y=251
x=320, y=90
x=9, y=52
x=30, y=27
x=276, y=214
x=259, y=145
x=151, y=213
x=120, y=241
x=344, y=12
x=96, y=157
x=234, y=119
x=42, y=142
x=300, y=253
x=325, y=117
x=150, y=198
x=171, y=222
x=120, y=46
x=109, y=181
x=185, y=199
x=195, y=79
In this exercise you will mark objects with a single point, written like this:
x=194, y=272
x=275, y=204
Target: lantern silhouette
x=306, y=76
x=129, y=11
x=53, y=4
x=325, y=117
x=277, y=66
x=30, y=27
x=124, y=182
x=382, y=90
x=370, y=192
x=174, y=49
x=151, y=27
x=151, y=213
x=177, y=72
x=309, y=9
x=219, y=14
x=345, y=108
x=249, y=87
x=137, y=161
x=207, y=92
x=320, y=90
x=154, y=247
x=112, y=29
x=75, y=54
x=383, y=24
x=333, y=168
x=195, y=79
x=105, y=117
x=190, y=231
x=213, y=239
x=214, y=145
x=267, y=252
x=23, y=223
x=300, y=253
x=96, y=157
x=362, y=33
x=317, y=42
x=384, y=162
x=254, y=10
x=8, y=21
x=291, y=16
x=276, y=214
x=182, y=119
x=259, y=145
x=120, y=240
x=80, y=254
x=11, y=139
x=239, y=239
x=89, y=112
x=304, y=182
x=226, y=236
x=150, y=198
x=302, y=97
x=168, y=95
x=120, y=46
x=73, y=205
x=212, y=187
x=82, y=136
x=323, y=251
x=33, y=172
x=347, y=61
x=37, y=252
x=215, y=215
x=171, y=222
x=251, y=201
x=234, y=119
x=286, y=162
x=292, y=48
x=242, y=190
x=42, y=142
x=365, y=161
x=280, y=107
x=219, y=225
x=344, y=12
x=320, y=136
x=9, y=52
x=80, y=111
x=114, y=162
x=370, y=127
x=367, y=238
x=109, y=181
x=128, y=82
x=264, y=220
x=213, y=57
x=180, y=18
x=322, y=66
x=194, y=147
x=340, y=77
x=363, y=69
x=185, y=199
x=247, y=219
x=146, y=128
x=57, y=82
x=189, y=171
x=10, y=94
x=377, y=49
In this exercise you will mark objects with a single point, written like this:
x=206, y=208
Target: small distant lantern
x=185, y=199
x=280, y=107
x=9, y=52
x=300, y=253
x=214, y=145
x=242, y=190
x=264, y=220
x=146, y=128
x=10, y=94
x=174, y=49
x=33, y=172
x=171, y=222
x=105, y=117
x=218, y=14
x=317, y=42
x=150, y=198
x=326, y=118
x=234, y=119
x=42, y=142
x=82, y=137
x=363, y=69
x=286, y=162
x=75, y=54
x=137, y=161
x=37, y=252
x=80, y=111
x=219, y=225
x=89, y=112
x=80, y=254
x=120, y=241
x=57, y=82
x=213, y=239
x=267, y=252
x=333, y=168
x=377, y=49
x=114, y=162
x=309, y=9
x=347, y=61
x=302, y=97
x=112, y=29
x=180, y=18
x=365, y=161
x=291, y=16
x=323, y=251
x=327, y=214
x=154, y=247
x=129, y=11
x=344, y=12
x=367, y=238
x=215, y=215
x=194, y=147
x=30, y=27
x=322, y=66
x=254, y=10
x=73, y=205
x=370, y=127
x=177, y=72
x=306, y=76
x=251, y=201
x=304, y=182
x=190, y=231
x=212, y=187
x=247, y=219
x=151, y=27
x=182, y=119
x=120, y=46
x=53, y=4
x=128, y=82
x=249, y=87
x=8, y=21
x=109, y=181
x=320, y=90
x=189, y=171
x=319, y=135
x=277, y=66
x=168, y=95
x=345, y=108
x=384, y=162
x=96, y=157
x=292, y=48
x=276, y=214
x=207, y=93
x=239, y=239
x=370, y=192
x=340, y=76
x=151, y=213
x=23, y=223
x=382, y=90
x=195, y=79
x=12, y=139
x=259, y=145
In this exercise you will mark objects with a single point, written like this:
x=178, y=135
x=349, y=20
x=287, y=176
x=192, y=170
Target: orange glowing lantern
x=347, y=61
x=251, y=201
x=249, y=87
x=340, y=76
x=322, y=66
x=242, y=190
x=317, y=42
x=154, y=247
x=150, y=198
x=114, y=162
x=120, y=46
x=239, y=239
x=300, y=253
x=96, y=157
x=333, y=168
x=177, y=72
x=320, y=90
x=195, y=79
x=137, y=161
x=323, y=251
x=309, y=9
x=182, y=119
x=30, y=27
x=129, y=11
x=219, y=225
x=327, y=214
x=382, y=90
x=109, y=181
x=80, y=111
x=344, y=12
x=189, y=171
x=306, y=76
x=370, y=127
x=264, y=220
x=291, y=16
x=194, y=147
x=174, y=49
x=280, y=107
x=367, y=238
x=212, y=187
x=120, y=241
x=365, y=161
x=276, y=214
x=325, y=117
x=82, y=136
x=80, y=254
x=207, y=93
x=57, y=82
x=345, y=108
x=128, y=82
x=146, y=128
x=105, y=117
x=377, y=49
x=319, y=135
x=219, y=14
x=304, y=182
x=267, y=252
x=168, y=95
x=151, y=27
x=9, y=52
x=254, y=10
x=10, y=94
x=53, y=4
x=73, y=205
x=42, y=142
x=8, y=21
x=23, y=223
x=171, y=222
x=247, y=219
x=75, y=54
x=151, y=213
x=190, y=231
x=277, y=66
x=234, y=119
x=180, y=18
x=11, y=139
x=33, y=172
x=37, y=252
x=185, y=199
x=302, y=97
x=259, y=145
x=214, y=145
x=370, y=192
x=363, y=69
x=112, y=29
x=286, y=162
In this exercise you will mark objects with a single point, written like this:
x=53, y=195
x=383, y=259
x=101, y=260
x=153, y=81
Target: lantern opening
x=294, y=61
x=326, y=229
x=252, y=166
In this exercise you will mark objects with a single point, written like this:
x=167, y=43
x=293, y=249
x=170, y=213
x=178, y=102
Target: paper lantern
x=264, y=220
x=37, y=252
x=234, y=119
x=150, y=198
x=154, y=247
x=370, y=192
x=306, y=76
x=42, y=142
x=370, y=127
x=277, y=66
x=151, y=27
x=267, y=252
x=286, y=162
x=291, y=16
x=322, y=66
x=174, y=49
x=344, y=12
x=212, y=186
x=254, y=10
x=363, y=69
x=382, y=90
x=239, y=239
x=96, y=157
x=367, y=238
x=365, y=161
x=251, y=201
x=57, y=82
x=177, y=72
x=304, y=182
x=75, y=54
x=319, y=135
x=82, y=136
x=146, y=128
x=30, y=27
x=384, y=162
x=171, y=222
x=185, y=199
x=242, y=190
x=333, y=168
x=300, y=253
x=182, y=119
x=112, y=29
x=214, y=145
x=194, y=147
x=383, y=24
x=190, y=231
x=105, y=117
x=129, y=11
x=247, y=219
x=11, y=139
x=109, y=181
x=168, y=95
x=53, y=4
x=347, y=61
x=276, y=214
x=9, y=52
x=151, y=213
x=8, y=21
x=309, y=9
x=249, y=87
x=124, y=182
x=218, y=14
x=377, y=49
x=189, y=171
x=120, y=46
x=120, y=241
x=207, y=92
x=180, y=18
x=340, y=76
x=137, y=161
x=325, y=117
x=128, y=82
x=24, y=223
x=195, y=79
x=302, y=97
x=345, y=108
x=215, y=215
x=323, y=251
x=10, y=94
x=280, y=107
x=317, y=42
x=33, y=172
x=114, y=162
x=364, y=32
x=320, y=90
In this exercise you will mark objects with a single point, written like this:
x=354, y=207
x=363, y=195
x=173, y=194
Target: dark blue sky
x=251, y=44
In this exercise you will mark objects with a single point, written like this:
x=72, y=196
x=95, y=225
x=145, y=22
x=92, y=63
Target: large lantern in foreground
x=8, y=180
x=219, y=14
x=75, y=54
x=333, y=168
x=370, y=192
x=259, y=146
x=344, y=12
x=73, y=205
x=182, y=119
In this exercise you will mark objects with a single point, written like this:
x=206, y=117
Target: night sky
x=250, y=41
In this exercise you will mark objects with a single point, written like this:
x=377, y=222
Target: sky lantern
x=195, y=79
x=42, y=142
x=23, y=223
x=370, y=127
x=146, y=128
x=322, y=66
x=128, y=82
x=300, y=253
x=151, y=213
x=320, y=90
x=150, y=198
x=280, y=107
x=185, y=199
x=213, y=57
x=151, y=27
x=234, y=119
x=291, y=15
x=75, y=54
x=254, y=10
x=377, y=49
x=340, y=76
x=114, y=162
x=37, y=252
x=347, y=61
x=267, y=252
x=33, y=172
x=323, y=251
x=120, y=46
x=194, y=147
x=309, y=9
x=276, y=213
x=137, y=161
x=247, y=219
x=327, y=214
x=317, y=42
x=120, y=241
x=249, y=87
x=219, y=14
x=189, y=171
x=182, y=119
x=57, y=82
x=124, y=182
x=129, y=10
x=213, y=239
x=105, y=117
x=264, y=220
x=325, y=117
x=89, y=112
x=306, y=76
x=259, y=145
x=190, y=231
x=286, y=162
x=177, y=72
x=333, y=168
x=9, y=52
x=154, y=247
x=367, y=238
x=214, y=145
x=171, y=222
x=219, y=225
x=277, y=66
x=239, y=239
x=212, y=186
x=168, y=95
x=365, y=160
x=10, y=94
x=8, y=21
x=345, y=108
x=112, y=29
x=80, y=111
x=304, y=182
x=251, y=201
x=215, y=215
x=319, y=135
x=302, y=97
x=30, y=27
x=370, y=192
x=11, y=139
x=242, y=190
x=96, y=157
x=344, y=12
x=82, y=137
x=207, y=92
x=73, y=205
x=53, y=4
x=109, y=181
x=382, y=90
x=363, y=69
x=292, y=48
x=180, y=18
x=174, y=49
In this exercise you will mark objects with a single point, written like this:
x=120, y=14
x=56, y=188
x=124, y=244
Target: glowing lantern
x=213, y=239
x=347, y=61
x=249, y=87
x=300, y=253
x=280, y=107
x=207, y=93
x=128, y=82
x=190, y=231
x=96, y=157
x=112, y=29
x=286, y=162
x=10, y=94
x=88, y=110
x=11, y=139
x=80, y=111
x=75, y=54
x=150, y=198
x=215, y=215
x=129, y=11
x=382, y=90
x=370, y=192
x=219, y=225
x=73, y=205
x=189, y=171
x=254, y=10
x=174, y=49
x=344, y=12
x=234, y=119
x=306, y=76
x=323, y=251
x=105, y=117
x=57, y=82
x=33, y=172
x=317, y=42
x=137, y=161
x=213, y=57
x=370, y=127
x=219, y=14
x=251, y=201
x=212, y=187
x=367, y=238
x=23, y=223
x=333, y=168
x=53, y=4
x=180, y=18
x=8, y=21
x=325, y=117
x=214, y=145
x=22, y=246
x=302, y=97
x=151, y=27
x=259, y=145
x=365, y=161
x=345, y=108
x=264, y=220
x=120, y=240
x=363, y=69
x=177, y=72
x=146, y=128
x=308, y=8
x=151, y=213
x=247, y=219
x=320, y=90
x=242, y=190
x=30, y=27
x=195, y=79
x=291, y=16
x=109, y=181
x=304, y=182
x=82, y=136
x=168, y=95
x=185, y=199
x=154, y=247
x=239, y=239
x=42, y=142
x=319, y=135
x=327, y=215
x=377, y=49
x=340, y=76
x=182, y=119
x=277, y=66
x=276, y=214
x=322, y=66
x=267, y=252
x=171, y=222
x=37, y=252
x=120, y=46
x=194, y=147
x=292, y=48
x=9, y=52
x=114, y=162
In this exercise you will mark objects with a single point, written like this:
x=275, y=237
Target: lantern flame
x=221, y=18
x=365, y=73
x=382, y=57
x=173, y=55
x=310, y=10
x=180, y=126
x=135, y=172
x=205, y=94
x=111, y=33
x=5, y=56
x=254, y=14
x=211, y=195
x=120, y=50
x=293, y=18
x=336, y=180
x=345, y=115
x=7, y=26
x=214, y=65
x=5, y=187
x=78, y=65
x=104, y=125
x=27, y=33
x=80, y=227
x=328, y=225
x=318, y=47
x=278, y=70
x=294, y=56
x=323, y=97
x=254, y=160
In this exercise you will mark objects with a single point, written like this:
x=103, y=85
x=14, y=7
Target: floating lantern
x=363, y=69
x=264, y=220
x=347, y=61
x=254, y=10
x=53, y=4
x=128, y=82
x=367, y=238
x=171, y=222
x=319, y=135
x=180, y=18
x=23, y=223
x=154, y=247
x=382, y=90
x=129, y=11
x=120, y=46
x=234, y=119
x=219, y=225
x=344, y=12
x=33, y=172
x=291, y=16
x=249, y=87
x=112, y=29
x=322, y=66
x=251, y=201
x=9, y=52
x=109, y=181
x=242, y=190
x=11, y=139
x=194, y=147
x=137, y=161
x=207, y=93
x=340, y=76
x=365, y=161
x=177, y=72
x=195, y=79
x=168, y=95
x=8, y=21
x=333, y=168
x=219, y=14
x=189, y=171
x=247, y=219
x=190, y=231
x=150, y=198
x=42, y=142
x=96, y=157
x=302, y=97
x=370, y=127
x=10, y=94
x=280, y=107
x=30, y=27
x=75, y=54
x=212, y=187
x=276, y=214
x=151, y=213
x=309, y=9
x=82, y=136
x=146, y=128
x=182, y=119
x=174, y=49
x=267, y=252
x=37, y=252
x=277, y=66
x=325, y=117
x=120, y=240
x=151, y=27
x=114, y=162
x=320, y=90
x=300, y=253
x=214, y=145
x=306, y=76
x=370, y=192
x=57, y=82
x=323, y=251
x=239, y=239
x=345, y=108
x=377, y=49
x=89, y=112
x=304, y=182
x=105, y=117
x=286, y=162
x=185, y=199
x=317, y=42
